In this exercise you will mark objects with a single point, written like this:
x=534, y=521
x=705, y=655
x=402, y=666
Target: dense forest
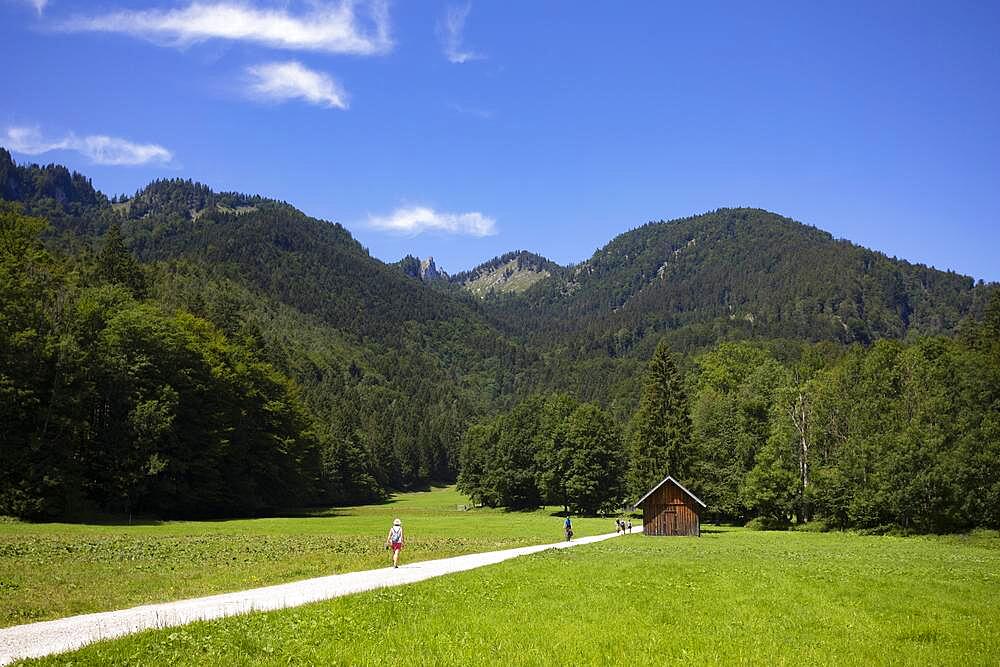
x=733, y=274
x=182, y=352
x=896, y=435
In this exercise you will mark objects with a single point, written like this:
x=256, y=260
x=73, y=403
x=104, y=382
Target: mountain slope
x=49, y=188
x=737, y=273
x=732, y=273
x=513, y=272
x=315, y=266
x=391, y=368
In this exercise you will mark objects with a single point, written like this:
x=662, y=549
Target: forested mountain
x=512, y=272
x=66, y=199
x=185, y=199
x=254, y=356
x=387, y=371
x=49, y=188
x=735, y=273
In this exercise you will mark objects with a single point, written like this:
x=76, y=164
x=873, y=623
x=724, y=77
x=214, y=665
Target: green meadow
x=732, y=596
x=50, y=570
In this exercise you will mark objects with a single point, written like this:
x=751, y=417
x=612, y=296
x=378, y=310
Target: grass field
x=733, y=596
x=53, y=570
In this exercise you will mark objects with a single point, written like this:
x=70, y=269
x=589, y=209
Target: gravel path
x=40, y=639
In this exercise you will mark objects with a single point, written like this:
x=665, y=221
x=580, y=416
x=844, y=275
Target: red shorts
x=397, y=546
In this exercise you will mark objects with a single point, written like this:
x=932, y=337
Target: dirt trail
x=65, y=634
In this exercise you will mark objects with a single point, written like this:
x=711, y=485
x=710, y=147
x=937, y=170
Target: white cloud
x=329, y=27
x=450, y=29
x=99, y=148
x=281, y=81
x=39, y=5
x=418, y=219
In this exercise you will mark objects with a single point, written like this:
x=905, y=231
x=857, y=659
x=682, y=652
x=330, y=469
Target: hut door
x=671, y=516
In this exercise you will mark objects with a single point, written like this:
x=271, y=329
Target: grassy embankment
x=53, y=570
x=731, y=597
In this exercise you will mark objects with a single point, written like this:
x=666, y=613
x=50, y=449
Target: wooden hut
x=670, y=509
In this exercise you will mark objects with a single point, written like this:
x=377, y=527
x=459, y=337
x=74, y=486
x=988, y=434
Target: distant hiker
x=569, y=529
x=630, y=525
x=394, y=541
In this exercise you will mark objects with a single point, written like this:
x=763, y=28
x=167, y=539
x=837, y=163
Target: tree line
x=159, y=389
x=550, y=449
x=895, y=435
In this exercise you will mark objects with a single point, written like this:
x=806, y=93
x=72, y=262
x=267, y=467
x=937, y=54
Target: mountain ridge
x=730, y=272
x=763, y=273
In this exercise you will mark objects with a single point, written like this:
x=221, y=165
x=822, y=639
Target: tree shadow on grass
x=103, y=520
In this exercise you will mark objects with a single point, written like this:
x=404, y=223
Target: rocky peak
x=425, y=270
x=429, y=271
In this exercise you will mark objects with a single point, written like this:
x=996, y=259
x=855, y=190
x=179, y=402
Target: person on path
x=569, y=529
x=630, y=525
x=394, y=541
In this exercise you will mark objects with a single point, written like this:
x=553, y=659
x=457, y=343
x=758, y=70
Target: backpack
x=396, y=535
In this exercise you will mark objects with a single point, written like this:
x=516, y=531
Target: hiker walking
x=630, y=525
x=569, y=529
x=394, y=541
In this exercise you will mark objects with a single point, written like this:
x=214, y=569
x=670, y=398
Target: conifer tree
x=660, y=432
x=116, y=265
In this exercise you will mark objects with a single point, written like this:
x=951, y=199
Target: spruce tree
x=660, y=432
x=116, y=265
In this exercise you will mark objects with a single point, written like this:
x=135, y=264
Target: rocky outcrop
x=513, y=272
x=425, y=270
x=429, y=271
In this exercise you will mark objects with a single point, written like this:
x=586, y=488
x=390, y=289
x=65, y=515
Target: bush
x=984, y=533
x=815, y=526
x=768, y=523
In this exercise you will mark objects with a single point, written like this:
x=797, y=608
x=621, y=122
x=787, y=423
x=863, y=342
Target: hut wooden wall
x=670, y=511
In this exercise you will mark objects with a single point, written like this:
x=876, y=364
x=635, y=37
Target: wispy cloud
x=290, y=80
x=418, y=219
x=99, y=148
x=329, y=27
x=39, y=5
x=450, y=28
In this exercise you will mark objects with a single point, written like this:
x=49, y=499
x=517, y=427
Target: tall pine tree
x=116, y=265
x=660, y=432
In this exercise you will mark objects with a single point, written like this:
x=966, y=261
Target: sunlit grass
x=730, y=597
x=53, y=570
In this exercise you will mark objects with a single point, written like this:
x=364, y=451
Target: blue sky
x=463, y=130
